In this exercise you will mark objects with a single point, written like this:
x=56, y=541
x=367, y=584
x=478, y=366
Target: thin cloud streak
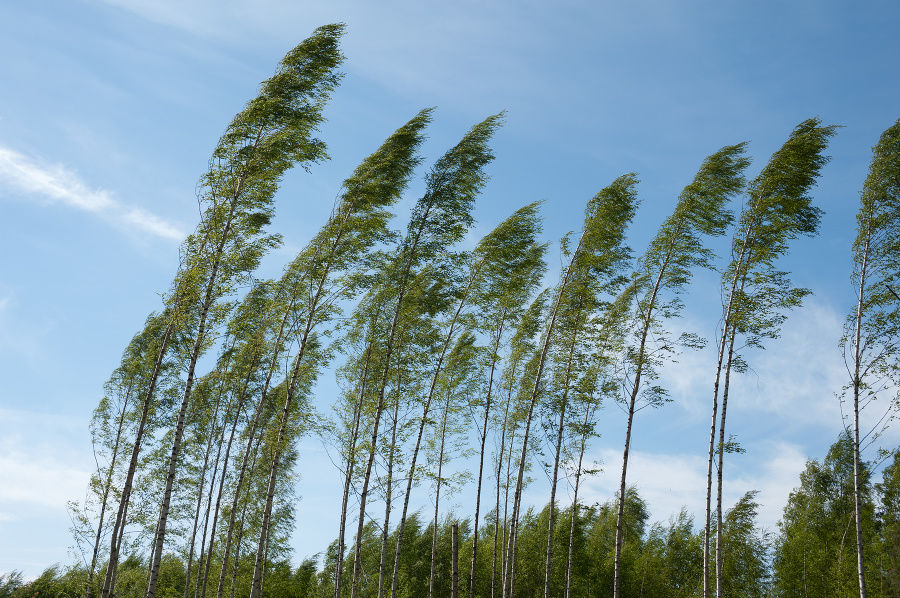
x=669, y=482
x=58, y=185
x=38, y=473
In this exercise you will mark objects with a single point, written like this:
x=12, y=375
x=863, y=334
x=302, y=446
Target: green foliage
x=779, y=209
x=10, y=582
x=815, y=553
x=437, y=322
x=872, y=330
x=666, y=268
x=888, y=561
x=745, y=568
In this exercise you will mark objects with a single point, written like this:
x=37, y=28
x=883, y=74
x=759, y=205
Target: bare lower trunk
x=106, y=489
x=857, y=364
x=200, y=488
x=249, y=450
x=357, y=558
x=857, y=490
x=707, y=529
x=620, y=517
x=253, y=454
x=720, y=548
x=555, y=476
x=501, y=458
x=535, y=391
x=209, y=510
x=412, y=468
x=348, y=476
x=587, y=415
x=551, y=524
x=212, y=537
x=437, y=496
x=382, y=564
x=259, y=566
x=487, y=410
x=119, y=525
x=395, y=578
x=454, y=587
x=507, y=523
x=739, y=278
x=208, y=301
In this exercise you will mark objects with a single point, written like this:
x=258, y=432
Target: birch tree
x=662, y=275
x=112, y=428
x=596, y=382
x=359, y=222
x=596, y=259
x=272, y=134
x=755, y=293
x=872, y=331
x=439, y=220
x=521, y=348
x=513, y=263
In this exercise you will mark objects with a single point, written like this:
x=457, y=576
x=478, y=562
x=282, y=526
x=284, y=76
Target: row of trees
x=811, y=554
x=441, y=350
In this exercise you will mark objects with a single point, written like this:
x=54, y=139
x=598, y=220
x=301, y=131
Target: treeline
x=810, y=554
x=443, y=353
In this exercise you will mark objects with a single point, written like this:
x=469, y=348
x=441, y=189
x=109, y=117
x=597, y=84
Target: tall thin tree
x=871, y=337
x=596, y=259
x=360, y=221
x=756, y=294
x=439, y=220
x=662, y=275
x=272, y=134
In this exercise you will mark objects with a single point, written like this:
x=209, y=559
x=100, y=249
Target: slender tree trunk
x=395, y=321
x=212, y=487
x=357, y=559
x=503, y=456
x=106, y=489
x=719, y=531
x=415, y=454
x=251, y=436
x=709, y=467
x=555, y=476
x=256, y=587
x=487, y=410
x=239, y=407
x=737, y=281
x=454, y=588
x=587, y=415
x=240, y=534
x=200, y=486
x=641, y=357
x=535, y=391
x=208, y=301
x=119, y=525
x=382, y=565
x=437, y=494
x=507, y=522
x=212, y=538
x=620, y=517
x=348, y=476
x=857, y=364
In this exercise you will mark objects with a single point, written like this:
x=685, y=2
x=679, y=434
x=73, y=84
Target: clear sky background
x=109, y=111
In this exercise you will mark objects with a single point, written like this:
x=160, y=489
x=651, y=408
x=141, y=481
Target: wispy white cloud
x=795, y=378
x=462, y=49
x=56, y=184
x=40, y=473
x=669, y=482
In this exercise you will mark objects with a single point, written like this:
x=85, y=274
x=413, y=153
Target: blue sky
x=109, y=111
